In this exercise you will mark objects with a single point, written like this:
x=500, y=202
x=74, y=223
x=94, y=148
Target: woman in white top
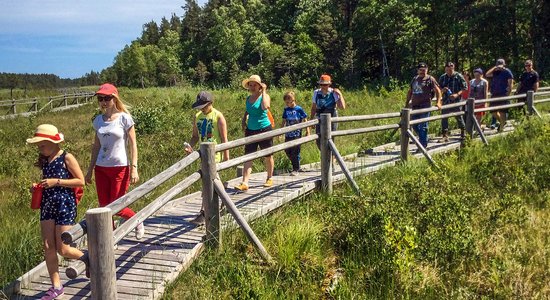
x=114, y=129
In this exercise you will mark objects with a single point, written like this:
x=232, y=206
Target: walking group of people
x=452, y=87
x=114, y=156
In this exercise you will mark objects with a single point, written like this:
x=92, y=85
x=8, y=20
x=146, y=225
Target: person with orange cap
x=326, y=100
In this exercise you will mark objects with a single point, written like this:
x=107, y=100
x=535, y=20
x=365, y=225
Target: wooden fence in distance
x=27, y=107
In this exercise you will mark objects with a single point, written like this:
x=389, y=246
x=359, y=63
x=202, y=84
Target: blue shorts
x=60, y=209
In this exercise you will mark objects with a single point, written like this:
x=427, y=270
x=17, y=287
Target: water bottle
x=449, y=92
x=186, y=145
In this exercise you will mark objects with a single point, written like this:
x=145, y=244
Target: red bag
x=36, y=195
x=78, y=193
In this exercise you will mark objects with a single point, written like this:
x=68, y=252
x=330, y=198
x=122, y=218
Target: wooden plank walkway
x=172, y=243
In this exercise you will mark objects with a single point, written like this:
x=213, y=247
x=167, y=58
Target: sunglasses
x=104, y=98
x=528, y=65
x=324, y=84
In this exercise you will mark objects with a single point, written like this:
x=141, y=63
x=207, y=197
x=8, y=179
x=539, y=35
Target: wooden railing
x=26, y=107
x=213, y=190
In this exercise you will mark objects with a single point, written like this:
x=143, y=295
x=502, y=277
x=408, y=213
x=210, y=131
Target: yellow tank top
x=208, y=128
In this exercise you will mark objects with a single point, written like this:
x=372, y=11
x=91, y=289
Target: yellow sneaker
x=242, y=187
x=268, y=182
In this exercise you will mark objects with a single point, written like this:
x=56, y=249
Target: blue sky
x=72, y=37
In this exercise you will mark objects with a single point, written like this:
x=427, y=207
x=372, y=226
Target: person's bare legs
x=247, y=170
x=63, y=249
x=501, y=117
x=269, y=166
x=48, y=232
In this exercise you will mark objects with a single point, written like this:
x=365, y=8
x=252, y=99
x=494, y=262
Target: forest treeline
x=292, y=42
x=45, y=81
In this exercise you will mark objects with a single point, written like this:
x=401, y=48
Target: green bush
x=148, y=119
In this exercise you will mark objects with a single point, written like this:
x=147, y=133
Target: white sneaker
x=140, y=231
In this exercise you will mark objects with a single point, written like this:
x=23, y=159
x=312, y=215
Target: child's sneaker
x=268, y=182
x=53, y=293
x=199, y=219
x=140, y=231
x=242, y=187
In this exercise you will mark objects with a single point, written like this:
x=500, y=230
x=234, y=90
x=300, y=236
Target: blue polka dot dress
x=58, y=203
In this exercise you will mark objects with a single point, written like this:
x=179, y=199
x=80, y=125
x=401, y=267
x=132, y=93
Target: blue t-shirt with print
x=500, y=81
x=294, y=115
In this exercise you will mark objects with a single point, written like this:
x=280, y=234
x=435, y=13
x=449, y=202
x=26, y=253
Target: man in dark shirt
x=423, y=87
x=452, y=86
x=501, y=85
x=529, y=80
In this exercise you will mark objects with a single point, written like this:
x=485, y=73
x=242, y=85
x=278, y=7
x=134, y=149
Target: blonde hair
x=119, y=105
x=290, y=95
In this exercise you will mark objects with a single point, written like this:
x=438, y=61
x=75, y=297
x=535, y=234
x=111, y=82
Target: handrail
x=542, y=93
x=439, y=117
x=80, y=229
x=120, y=232
x=488, y=100
x=542, y=100
x=364, y=130
x=265, y=135
x=492, y=108
x=435, y=108
x=264, y=152
x=365, y=117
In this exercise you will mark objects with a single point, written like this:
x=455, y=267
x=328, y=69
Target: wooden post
x=420, y=147
x=530, y=102
x=210, y=200
x=101, y=253
x=326, y=154
x=240, y=170
x=65, y=100
x=470, y=117
x=51, y=103
x=344, y=168
x=218, y=185
x=405, y=125
x=35, y=104
x=13, y=109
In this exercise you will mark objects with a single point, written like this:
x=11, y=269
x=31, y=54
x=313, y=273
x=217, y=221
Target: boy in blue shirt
x=293, y=114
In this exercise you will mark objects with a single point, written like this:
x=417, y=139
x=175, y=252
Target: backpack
x=78, y=191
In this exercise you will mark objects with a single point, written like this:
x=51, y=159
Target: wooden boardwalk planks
x=171, y=242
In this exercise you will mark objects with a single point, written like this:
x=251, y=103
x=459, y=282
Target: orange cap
x=325, y=79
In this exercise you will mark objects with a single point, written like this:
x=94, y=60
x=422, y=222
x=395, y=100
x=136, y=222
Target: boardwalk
x=172, y=243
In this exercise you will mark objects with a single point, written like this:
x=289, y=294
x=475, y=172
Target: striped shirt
x=455, y=83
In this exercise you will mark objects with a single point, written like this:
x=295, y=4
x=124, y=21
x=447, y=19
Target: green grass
x=475, y=229
x=164, y=119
